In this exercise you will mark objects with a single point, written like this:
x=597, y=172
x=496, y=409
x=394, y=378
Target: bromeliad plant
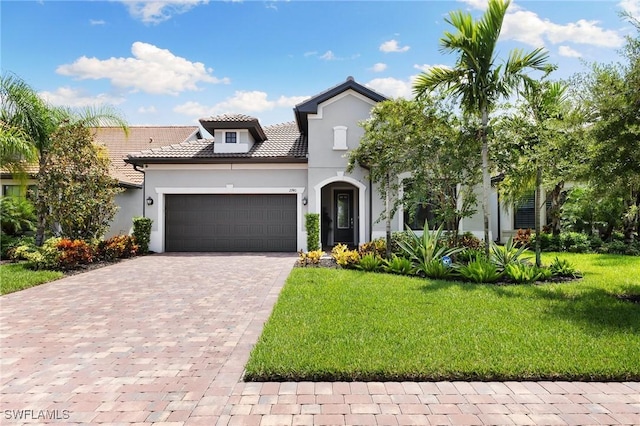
x=398, y=265
x=480, y=270
x=427, y=250
x=502, y=256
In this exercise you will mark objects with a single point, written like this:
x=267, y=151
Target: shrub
x=436, y=268
x=377, y=247
x=142, y=233
x=73, y=253
x=310, y=258
x=521, y=273
x=502, y=256
x=522, y=237
x=430, y=246
x=480, y=270
x=396, y=239
x=467, y=255
x=563, y=268
x=398, y=265
x=467, y=241
x=370, y=263
x=312, y=223
x=548, y=242
x=17, y=216
x=574, y=242
x=117, y=247
x=345, y=257
x=45, y=257
x=21, y=249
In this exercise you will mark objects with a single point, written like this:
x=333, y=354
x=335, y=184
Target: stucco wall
x=129, y=206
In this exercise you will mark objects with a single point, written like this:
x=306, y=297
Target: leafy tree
x=476, y=79
x=28, y=121
x=77, y=188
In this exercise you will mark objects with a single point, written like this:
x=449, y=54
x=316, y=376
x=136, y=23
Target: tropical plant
x=377, y=247
x=16, y=215
x=345, y=257
x=476, y=79
x=521, y=273
x=310, y=258
x=436, y=268
x=370, y=263
x=563, y=268
x=31, y=122
x=118, y=247
x=427, y=247
x=509, y=253
x=398, y=265
x=480, y=270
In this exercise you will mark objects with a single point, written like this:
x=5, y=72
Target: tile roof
x=284, y=142
x=230, y=117
x=140, y=137
x=234, y=121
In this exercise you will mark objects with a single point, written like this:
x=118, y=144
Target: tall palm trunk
x=486, y=179
x=41, y=204
x=537, y=211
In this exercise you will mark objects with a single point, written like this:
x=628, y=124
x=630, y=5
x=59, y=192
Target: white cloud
x=154, y=11
x=75, y=98
x=97, y=22
x=310, y=53
x=393, y=87
x=151, y=69
x=241, y=102
x=476, y=4
x=392, y=46
x=632, y=7
x=328, y=56
x=527, y=27
x=568, y=52
x=379, y=67
x=147, y=110
x=427, y=67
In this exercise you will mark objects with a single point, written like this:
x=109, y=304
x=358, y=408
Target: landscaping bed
x=335, y=324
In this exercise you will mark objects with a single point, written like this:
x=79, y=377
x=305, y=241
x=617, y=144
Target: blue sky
x=172, y=62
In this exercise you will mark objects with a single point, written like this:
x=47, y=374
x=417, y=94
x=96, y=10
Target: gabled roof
x=234, y=121
x=118, y=145
x=140, y=137
x=284, y=143
x=310, y=106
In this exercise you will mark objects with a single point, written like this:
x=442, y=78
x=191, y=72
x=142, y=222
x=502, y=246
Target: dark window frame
x=230, y=137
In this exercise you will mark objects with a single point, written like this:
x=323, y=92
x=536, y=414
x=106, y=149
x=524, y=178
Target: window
x=231, y=137
x=524, y=216
x=19, y=191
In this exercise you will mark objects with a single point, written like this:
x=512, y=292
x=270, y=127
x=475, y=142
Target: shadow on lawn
x=592, y=307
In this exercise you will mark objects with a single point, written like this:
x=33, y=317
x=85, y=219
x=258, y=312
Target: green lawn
x=15, y=277
x=350, y=325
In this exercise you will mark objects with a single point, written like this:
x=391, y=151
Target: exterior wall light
x=149, y=201
x=304, y=201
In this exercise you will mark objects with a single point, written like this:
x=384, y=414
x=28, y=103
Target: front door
x=343, y=217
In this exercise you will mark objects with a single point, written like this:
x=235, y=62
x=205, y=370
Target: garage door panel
x=226, y=222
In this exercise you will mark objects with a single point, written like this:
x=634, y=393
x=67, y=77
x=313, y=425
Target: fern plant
x=510, y=253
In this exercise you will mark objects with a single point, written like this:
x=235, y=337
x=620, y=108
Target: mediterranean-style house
x=249, y=187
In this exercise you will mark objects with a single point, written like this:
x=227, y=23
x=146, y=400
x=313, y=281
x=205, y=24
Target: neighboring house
x=118, y=144
x=249, y=187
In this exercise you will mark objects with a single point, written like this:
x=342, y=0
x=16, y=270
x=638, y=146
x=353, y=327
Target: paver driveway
x=160, y=338
x=163, y=340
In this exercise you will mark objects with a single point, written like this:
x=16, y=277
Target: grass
x=15, y=277
x=351, y=325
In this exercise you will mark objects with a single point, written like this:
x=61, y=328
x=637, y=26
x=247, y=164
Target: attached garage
x=230, y=222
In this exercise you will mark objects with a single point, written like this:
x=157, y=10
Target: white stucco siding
x=129, y=206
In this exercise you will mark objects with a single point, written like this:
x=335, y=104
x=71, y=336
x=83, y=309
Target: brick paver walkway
x=163, y=340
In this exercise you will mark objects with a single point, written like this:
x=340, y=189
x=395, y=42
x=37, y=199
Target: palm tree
x=476, y=79
x=27, y=124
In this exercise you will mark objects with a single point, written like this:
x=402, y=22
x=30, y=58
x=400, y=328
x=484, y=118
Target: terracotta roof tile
x=283, y=141
x=229, y=117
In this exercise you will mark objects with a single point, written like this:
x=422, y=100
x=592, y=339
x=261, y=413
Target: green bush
x=398, y=265
x=45, y=257
x=17, y=216
x=575, y=242
x=370, y=263
x=312, y=224
x=521, y=273
x=563, y=268
x=480, y=270
x=142, y=233
x=426, y=248
x=503, y=256
x=435, y=269
x=397, y=238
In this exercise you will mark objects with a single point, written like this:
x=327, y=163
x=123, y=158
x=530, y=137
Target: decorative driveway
x=163, y=340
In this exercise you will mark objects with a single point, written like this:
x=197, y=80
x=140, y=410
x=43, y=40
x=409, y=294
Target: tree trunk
x=41, y=205
x=387, y=206
x=486, y=180
x=630, y=220
x=556, y=194
x=537, y=211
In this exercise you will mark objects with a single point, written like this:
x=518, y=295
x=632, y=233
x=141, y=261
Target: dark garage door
x=224, y=222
